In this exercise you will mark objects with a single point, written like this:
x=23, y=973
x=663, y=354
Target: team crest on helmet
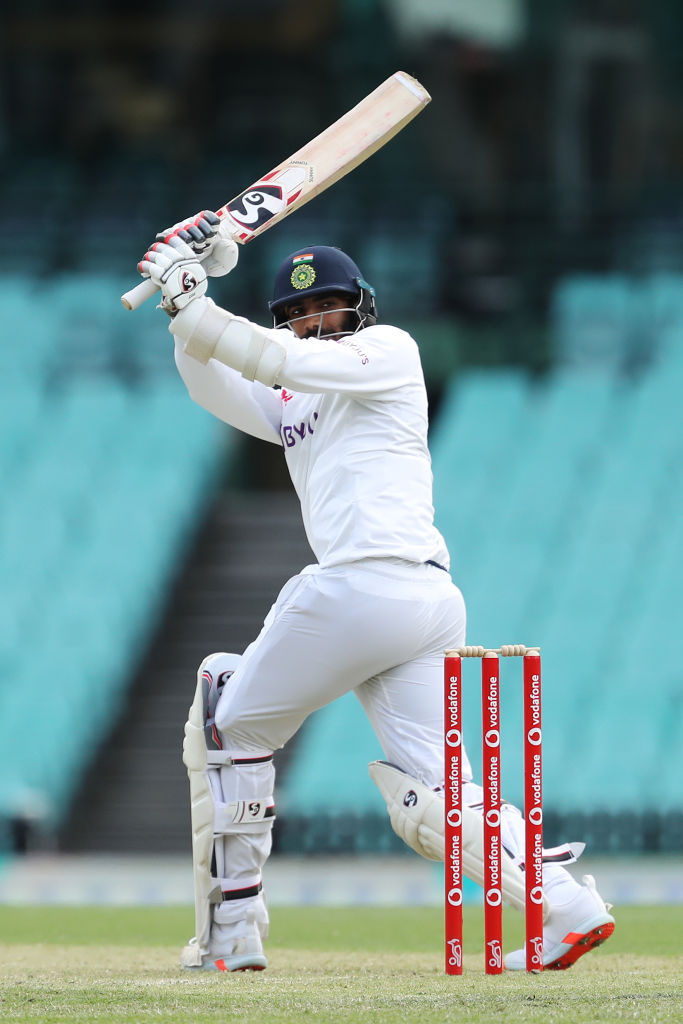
x=303, y=276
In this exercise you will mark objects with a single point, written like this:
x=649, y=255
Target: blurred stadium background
x=527, y=228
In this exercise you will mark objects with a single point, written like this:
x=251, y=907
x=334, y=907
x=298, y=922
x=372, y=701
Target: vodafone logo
x=455, y=897
x=453, y=738
x=454, y=818
x=534, y=737
x=494, y=897
x=536, y=895
x=492, y=738
x=535, y=815
x=493, y=818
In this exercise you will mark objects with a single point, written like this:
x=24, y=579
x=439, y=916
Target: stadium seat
x=593, y=318
x=104, y=474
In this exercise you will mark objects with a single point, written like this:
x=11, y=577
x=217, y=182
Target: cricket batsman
x=344, y=397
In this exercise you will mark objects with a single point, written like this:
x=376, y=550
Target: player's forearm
x=363, y=364
x=251, y=408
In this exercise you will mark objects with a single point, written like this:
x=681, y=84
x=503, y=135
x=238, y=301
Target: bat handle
x=136, y=296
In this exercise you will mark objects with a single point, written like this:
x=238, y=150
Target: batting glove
x=176, y=271
x=209, y=237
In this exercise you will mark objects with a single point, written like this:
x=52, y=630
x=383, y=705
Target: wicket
x=491, y=782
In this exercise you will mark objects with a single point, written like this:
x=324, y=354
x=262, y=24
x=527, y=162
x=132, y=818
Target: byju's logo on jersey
x=293, y=433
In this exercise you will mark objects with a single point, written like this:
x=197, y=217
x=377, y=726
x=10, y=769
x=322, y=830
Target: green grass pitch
x=334, y=965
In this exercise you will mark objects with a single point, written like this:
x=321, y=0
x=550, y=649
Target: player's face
x=322, y=316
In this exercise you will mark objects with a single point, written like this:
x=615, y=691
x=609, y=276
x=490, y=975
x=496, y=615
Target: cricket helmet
x=315, y=270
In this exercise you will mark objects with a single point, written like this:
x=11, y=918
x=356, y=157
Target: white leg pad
x=206, y=887
x=211, y=772
x=195, y=757
x=417, y=816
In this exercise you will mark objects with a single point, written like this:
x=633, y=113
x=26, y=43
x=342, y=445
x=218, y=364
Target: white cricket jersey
x=351, y=416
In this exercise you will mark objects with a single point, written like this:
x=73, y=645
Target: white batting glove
x=209, y=237
x=176, y=271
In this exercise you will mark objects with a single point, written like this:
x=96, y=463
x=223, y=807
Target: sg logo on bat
x=266, y=199
x=258, y=204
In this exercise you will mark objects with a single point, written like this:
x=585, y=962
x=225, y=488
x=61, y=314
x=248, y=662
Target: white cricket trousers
x=378, y=627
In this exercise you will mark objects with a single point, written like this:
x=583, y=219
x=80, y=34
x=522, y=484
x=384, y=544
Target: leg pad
x=417, y=816
x=218, y=780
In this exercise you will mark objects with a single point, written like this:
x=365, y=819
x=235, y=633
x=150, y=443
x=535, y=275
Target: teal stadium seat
x=593, y=319
x=403, y=268
x=603, y=455
x=105, y=479
x=28, y=330
x=660, y=310
x=329, y=770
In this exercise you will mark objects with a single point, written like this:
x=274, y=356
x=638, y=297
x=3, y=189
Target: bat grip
x=136, y=296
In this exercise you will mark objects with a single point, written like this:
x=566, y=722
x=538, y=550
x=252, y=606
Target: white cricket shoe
x=571, y=930
x=236, y=940
x=240, y=959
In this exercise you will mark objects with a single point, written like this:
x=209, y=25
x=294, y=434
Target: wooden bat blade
x=327, y=158
x=316, y=166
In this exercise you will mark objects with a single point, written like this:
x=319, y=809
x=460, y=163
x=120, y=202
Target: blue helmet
x=315, y=270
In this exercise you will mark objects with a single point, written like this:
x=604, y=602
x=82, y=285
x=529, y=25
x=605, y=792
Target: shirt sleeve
x=246, y=405
x=374, y=361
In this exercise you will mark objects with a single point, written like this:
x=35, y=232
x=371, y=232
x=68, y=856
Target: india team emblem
x=303, y=276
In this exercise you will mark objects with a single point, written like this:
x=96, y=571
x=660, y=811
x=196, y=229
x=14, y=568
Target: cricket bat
x=317, y=165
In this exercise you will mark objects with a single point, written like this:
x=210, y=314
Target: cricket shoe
x=236, y=944
x=572, y=929
x=240, y=959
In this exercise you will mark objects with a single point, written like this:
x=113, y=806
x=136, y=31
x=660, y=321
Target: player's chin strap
x=417, y=816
